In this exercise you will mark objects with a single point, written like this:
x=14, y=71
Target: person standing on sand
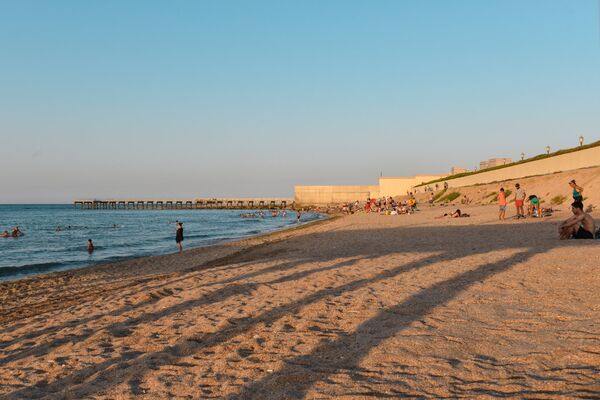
x=577, y=196
x=179, y=235
x=502, y=204
x=579, y=226
x=520, y=200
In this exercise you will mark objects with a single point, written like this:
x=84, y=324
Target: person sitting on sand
x=5, y=234
x=534, y=206
x=579, y=226
x=90, y=246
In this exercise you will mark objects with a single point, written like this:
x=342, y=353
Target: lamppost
x=547, y=150
x=580, y=141
x=522, y=156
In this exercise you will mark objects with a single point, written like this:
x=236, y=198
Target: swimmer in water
x=5, y=234
x=90, y=246
x=16, y=232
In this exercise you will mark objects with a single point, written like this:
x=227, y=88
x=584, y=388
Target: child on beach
x=502, y=204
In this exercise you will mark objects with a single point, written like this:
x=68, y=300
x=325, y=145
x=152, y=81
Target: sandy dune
x=546, y=187
x=365, y=306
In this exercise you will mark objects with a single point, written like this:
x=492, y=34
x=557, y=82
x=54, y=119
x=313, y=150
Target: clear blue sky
x=222, y=98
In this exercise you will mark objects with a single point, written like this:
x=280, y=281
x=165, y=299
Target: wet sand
x=364, y=306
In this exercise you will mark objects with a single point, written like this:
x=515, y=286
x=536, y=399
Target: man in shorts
x=519, y=200
x=579, y=226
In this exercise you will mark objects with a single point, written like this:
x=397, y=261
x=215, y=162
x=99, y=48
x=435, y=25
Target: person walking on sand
x=179, y=235
x=579, y=226
x=577, y=196
x=520, y=200
x=501, y=204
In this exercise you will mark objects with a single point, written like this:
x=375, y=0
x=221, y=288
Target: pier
x=195, y=204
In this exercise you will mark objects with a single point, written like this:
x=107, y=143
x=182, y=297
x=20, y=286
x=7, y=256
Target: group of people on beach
x=16, y=232
x=389, y=206
x=534, y=209
x=579, y=226
x=261, y=214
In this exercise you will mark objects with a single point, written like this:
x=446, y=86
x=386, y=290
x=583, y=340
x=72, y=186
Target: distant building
x=494, y=162
x=458, y=170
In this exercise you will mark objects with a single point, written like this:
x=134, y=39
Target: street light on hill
x=547, y=150
x=580, y=141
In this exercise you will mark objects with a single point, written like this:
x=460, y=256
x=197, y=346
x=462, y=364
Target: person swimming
x=5, y=234
x=16, y=232
x=90, y=246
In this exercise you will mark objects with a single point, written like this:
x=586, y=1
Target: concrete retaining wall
x=564, y=162
x=321, y=195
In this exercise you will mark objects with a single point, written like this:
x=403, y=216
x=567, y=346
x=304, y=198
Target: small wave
x=31, y=268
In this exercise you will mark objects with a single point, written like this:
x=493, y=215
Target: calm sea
x=55, y=236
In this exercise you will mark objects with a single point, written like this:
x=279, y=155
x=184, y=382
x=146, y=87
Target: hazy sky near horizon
x=247, y=98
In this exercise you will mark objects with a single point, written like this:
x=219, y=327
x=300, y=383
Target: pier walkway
x=230, y=203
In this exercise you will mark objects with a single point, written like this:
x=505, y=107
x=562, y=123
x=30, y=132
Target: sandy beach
x=363, y=306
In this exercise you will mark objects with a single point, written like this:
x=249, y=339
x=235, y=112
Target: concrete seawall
x=564, y=162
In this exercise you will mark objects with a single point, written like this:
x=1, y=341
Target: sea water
x=55, y=236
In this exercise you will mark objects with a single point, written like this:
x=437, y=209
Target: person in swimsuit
x=577, y=196
x=16, y=232
x=5, y=234
x=90, y=246
x=579, y=226
x=179, y=235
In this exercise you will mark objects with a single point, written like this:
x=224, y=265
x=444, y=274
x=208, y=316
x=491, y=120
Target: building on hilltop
x=458, y=170
x=494, y=162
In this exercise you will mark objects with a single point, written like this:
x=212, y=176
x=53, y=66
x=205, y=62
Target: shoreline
x=16, y=276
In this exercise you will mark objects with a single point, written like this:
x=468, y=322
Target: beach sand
x=364, y=306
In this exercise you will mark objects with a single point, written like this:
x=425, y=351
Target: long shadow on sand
x=367, y=244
